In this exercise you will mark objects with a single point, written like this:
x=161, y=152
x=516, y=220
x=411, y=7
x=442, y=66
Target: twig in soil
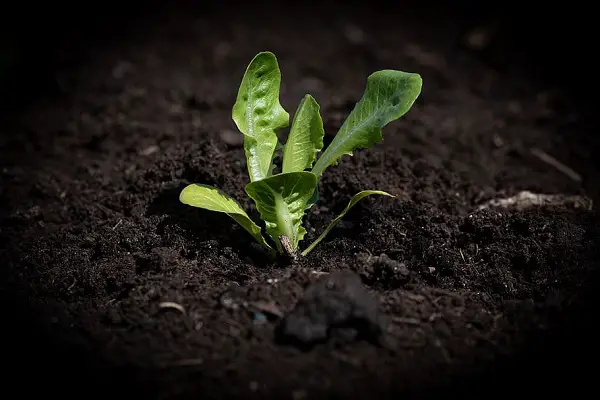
x=415, y=297
x=443, y=292
x=548, y=159
x=434, y=316
x=438, y=343
x=117, y=224
x=344, y=358
x=407, y=321
x=186, y=362
x=148, y=151
x=526, y=199
x=72, y=285
x=172, y=305
x=267, y=307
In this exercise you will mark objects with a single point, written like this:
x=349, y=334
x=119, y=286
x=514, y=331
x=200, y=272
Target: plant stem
x=287, y=247
x=284, y=221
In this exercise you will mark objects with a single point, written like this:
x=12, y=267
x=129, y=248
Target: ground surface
x=94, y=238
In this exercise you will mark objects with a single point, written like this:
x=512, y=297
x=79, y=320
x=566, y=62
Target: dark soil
x=95, y=242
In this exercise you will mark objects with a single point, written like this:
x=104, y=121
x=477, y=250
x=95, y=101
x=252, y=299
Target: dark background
x=551, y=42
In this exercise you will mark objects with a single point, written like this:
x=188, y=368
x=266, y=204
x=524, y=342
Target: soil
x=111, y=287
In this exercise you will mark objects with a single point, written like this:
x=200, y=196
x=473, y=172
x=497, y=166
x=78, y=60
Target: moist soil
x=112, y=287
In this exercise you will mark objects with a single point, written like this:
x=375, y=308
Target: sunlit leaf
x=258, y=114
x=305, y=138
x=388, y=96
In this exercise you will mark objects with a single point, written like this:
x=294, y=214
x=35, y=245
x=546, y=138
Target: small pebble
x=149, y=150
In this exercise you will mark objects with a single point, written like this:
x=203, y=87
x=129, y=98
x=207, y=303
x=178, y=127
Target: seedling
x=283, y=198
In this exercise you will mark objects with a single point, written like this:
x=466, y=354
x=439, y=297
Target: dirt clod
x=338, y=300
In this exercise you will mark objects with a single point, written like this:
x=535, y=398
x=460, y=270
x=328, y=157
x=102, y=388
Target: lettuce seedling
x=283, y=198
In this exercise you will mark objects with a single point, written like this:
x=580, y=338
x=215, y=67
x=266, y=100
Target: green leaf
x=258, y=114
x=357, y=197
x=305, y=138
x=388, y=96
x=281, y=200
x=211, y=198
x=313, y=199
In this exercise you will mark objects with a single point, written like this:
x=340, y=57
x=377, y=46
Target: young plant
x=283, y=198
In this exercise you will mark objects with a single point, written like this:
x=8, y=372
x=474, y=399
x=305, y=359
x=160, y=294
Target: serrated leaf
x=305, y=138
x=388, y=96
x=213, y=199
x=258, y=114
x=281, y=200
x=357, y=197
